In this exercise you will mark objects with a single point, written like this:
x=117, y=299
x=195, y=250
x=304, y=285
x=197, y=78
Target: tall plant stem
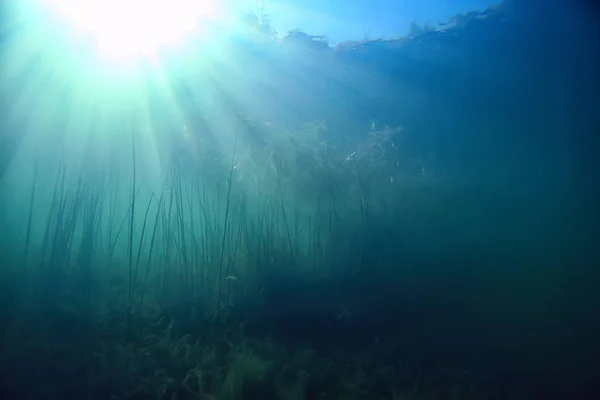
x=30, y=219
x=221, y=259
x=131, y=229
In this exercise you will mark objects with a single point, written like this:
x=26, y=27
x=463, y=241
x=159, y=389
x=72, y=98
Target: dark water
x=405, y=219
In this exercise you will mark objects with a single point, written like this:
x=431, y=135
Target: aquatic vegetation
x=299, y=238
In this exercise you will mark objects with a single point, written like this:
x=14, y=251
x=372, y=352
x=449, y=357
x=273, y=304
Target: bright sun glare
x=127, y=29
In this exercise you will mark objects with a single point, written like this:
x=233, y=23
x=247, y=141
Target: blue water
x=250, y=214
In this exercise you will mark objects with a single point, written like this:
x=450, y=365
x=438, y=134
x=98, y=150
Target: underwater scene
x=222, y=200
